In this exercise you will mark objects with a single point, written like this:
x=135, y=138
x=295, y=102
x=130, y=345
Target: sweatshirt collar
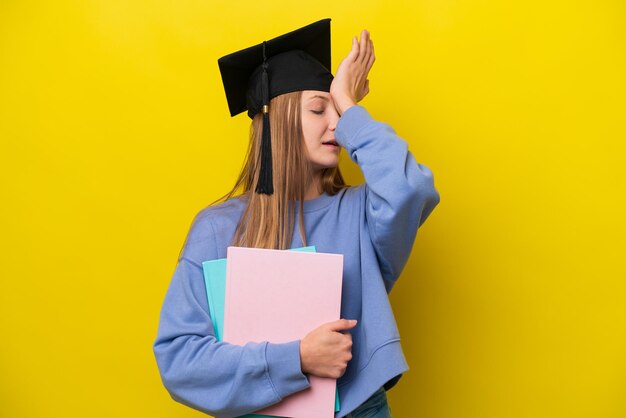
x=311, y=205
x=319, y=202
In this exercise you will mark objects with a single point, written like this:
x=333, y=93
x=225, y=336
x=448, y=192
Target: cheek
x=313, y=130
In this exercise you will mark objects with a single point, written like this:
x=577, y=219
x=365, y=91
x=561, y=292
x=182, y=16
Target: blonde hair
x=268, y=220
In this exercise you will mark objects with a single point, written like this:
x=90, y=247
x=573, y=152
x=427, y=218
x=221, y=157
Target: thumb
x=342, y=324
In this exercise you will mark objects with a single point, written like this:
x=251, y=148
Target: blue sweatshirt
x=373, y=225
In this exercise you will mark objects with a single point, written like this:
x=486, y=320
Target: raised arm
x=399, y=192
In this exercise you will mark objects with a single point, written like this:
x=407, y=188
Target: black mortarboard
x=298, y=60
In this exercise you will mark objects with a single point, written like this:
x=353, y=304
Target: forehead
x=311, y=95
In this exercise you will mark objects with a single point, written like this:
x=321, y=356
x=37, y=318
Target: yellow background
x=115, y=132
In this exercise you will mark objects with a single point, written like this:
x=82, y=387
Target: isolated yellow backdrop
x=115, y=132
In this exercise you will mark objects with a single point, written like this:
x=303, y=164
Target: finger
x=368, y=48
x=362, y=46
x=340, y=324
x=372, y=57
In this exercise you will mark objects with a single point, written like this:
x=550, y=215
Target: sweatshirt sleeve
x=215, y=377
x=399, y=192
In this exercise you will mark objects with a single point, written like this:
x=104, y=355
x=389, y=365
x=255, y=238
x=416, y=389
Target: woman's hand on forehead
x=350, y=84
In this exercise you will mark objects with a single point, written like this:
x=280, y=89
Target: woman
x=302, y=115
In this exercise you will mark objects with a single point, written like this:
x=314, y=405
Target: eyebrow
x=318, y=96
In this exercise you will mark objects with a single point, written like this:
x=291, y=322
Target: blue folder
x=215, y=281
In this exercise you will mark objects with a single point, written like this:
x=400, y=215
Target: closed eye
x=317, y=112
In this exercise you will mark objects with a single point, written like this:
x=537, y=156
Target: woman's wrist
x=302, y=360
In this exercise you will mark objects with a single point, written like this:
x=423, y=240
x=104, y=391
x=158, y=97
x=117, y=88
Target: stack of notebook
x=278, y=296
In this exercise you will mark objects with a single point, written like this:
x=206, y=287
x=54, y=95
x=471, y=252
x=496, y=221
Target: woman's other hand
x=325, y=351
x=350, y=84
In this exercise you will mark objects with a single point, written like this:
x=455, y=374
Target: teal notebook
x=215, y=281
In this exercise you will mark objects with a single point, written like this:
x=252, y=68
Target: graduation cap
x=298, y=60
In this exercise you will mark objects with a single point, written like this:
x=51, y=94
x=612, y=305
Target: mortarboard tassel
x=265, y=183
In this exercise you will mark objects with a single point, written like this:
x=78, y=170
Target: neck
x=315, y=187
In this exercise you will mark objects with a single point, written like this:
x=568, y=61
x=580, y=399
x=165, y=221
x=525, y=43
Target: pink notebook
x=280, y=296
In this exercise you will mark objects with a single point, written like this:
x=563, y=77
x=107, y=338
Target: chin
x=325, y=161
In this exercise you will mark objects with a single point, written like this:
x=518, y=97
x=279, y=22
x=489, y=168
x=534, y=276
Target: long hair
x=268, y=220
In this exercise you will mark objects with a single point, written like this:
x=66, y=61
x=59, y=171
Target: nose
x=334, y=118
